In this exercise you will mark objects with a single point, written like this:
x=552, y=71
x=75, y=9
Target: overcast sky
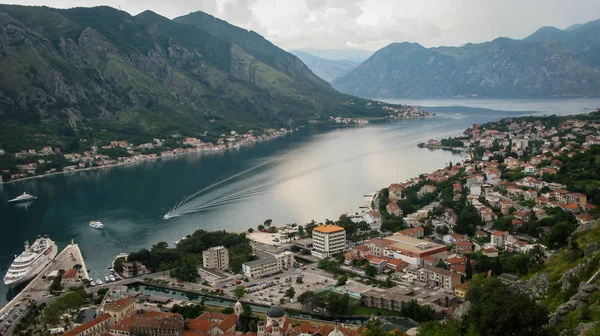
x=369, y=24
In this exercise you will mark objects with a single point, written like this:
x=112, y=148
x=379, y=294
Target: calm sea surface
x=305, y=175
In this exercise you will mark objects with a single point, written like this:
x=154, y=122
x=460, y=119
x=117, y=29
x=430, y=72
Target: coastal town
x=118, y=152
x=48, y=160
x=407, y=257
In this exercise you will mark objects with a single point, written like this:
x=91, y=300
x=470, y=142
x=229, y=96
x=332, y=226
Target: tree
x=388, y=282
x=260, y=227
x=342, y=280
x=290, y=292
x=370, y=270
x=250, y=230
x=301, y=231
x=497, y=311
x=468, y=269
x=559, y=235
x=239, y=292
x=442, y=230
x=268, y=222
x=299, y=280
x=338, y=304
x=304, y=297
x=441, y=264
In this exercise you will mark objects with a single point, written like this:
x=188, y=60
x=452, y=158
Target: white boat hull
x=21, y=200
x=35, y=270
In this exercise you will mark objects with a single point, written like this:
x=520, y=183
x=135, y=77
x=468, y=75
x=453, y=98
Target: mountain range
x=88, y=73
x=325, y=68
x=549, y=62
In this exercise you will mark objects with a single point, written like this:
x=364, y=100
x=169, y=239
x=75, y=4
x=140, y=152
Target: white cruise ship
x=22, y=198
x=31, y=262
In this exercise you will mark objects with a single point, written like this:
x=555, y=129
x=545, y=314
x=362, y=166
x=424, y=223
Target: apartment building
x=328, y=240
x=216, y=257
x=269, y=265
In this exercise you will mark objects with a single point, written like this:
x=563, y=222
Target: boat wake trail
x=201, y=201
x=197, y=201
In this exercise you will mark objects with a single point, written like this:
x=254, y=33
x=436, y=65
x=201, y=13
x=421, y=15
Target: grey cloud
x=369, y=24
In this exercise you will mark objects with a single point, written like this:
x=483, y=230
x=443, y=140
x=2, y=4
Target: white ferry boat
x=31, y=262
x=23, y=198
x=97, y=225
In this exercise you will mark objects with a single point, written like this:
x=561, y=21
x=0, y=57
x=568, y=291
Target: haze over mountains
x=326, y=69
x=100, y=71
x=550, y=62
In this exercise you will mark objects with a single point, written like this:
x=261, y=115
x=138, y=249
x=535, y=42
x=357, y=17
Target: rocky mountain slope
x=324, y=68
x=550, y=62
x=87, y=72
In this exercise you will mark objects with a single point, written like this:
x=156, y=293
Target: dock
x=65, y=260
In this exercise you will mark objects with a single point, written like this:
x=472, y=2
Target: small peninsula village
x=503, y=224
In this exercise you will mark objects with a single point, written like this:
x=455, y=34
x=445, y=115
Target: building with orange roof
x=395, y=265
x=490, y=252
x=120, y=308
x=412, y=250
x=498, y=238
x=417, y=232
x=328, y=240
x=463, y=247
x=95, y=327
x=379, y=263
x=149, y=323
x=460, y=291
x=70, y=279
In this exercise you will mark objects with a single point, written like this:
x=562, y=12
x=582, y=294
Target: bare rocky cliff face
x=547, y=65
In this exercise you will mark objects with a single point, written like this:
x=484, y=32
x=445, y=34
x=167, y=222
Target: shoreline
x=147, y=159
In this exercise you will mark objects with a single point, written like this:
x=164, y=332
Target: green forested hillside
x=85, y=73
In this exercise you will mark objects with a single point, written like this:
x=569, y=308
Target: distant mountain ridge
x=549, y=62
x=71, y=75
x=326, y=69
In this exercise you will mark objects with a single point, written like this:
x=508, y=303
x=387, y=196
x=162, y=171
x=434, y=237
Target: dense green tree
x=338, y=304
x=290, y=292
x=189, y=311
x=370, y=270
x=342, y=280
x=497, y=311
x=468, y=269
x=239, y=292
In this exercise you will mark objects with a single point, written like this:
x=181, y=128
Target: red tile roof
x=227, y=323
x=70, y=274
x=88, y=325
x=119, y=304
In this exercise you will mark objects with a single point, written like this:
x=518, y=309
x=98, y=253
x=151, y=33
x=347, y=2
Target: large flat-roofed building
x=268, y=265
x=216, y=257
x=391, y=299
x=328, y=240
x=412, y=250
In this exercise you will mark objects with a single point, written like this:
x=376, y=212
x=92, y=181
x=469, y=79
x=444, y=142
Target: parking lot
x=11, y=317
x=272, y=289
